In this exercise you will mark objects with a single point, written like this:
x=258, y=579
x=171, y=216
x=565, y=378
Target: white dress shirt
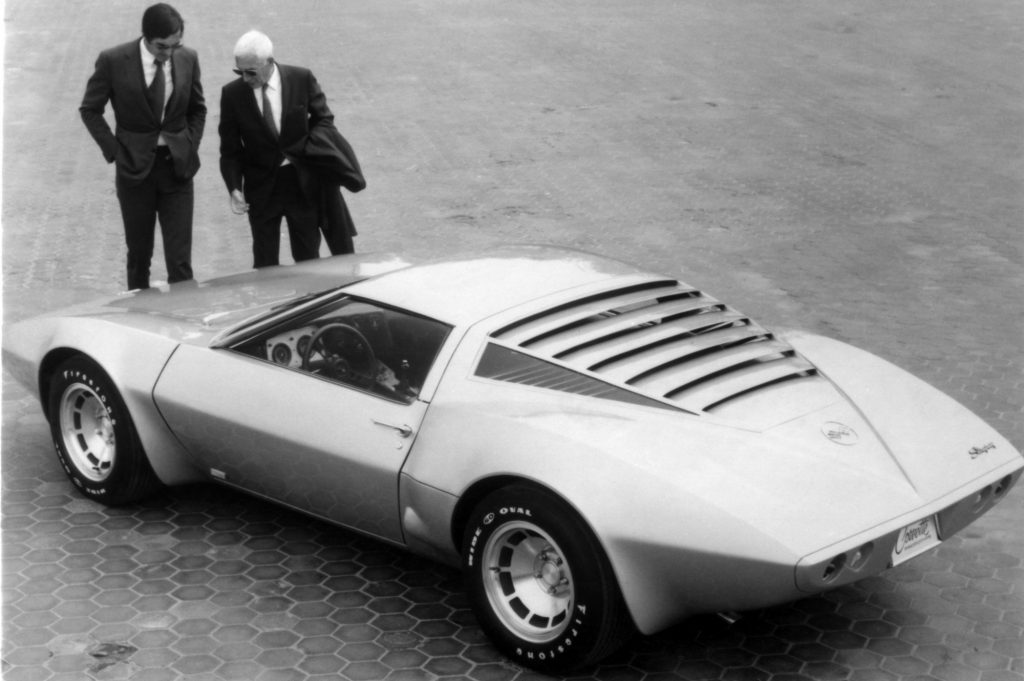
x=273, y=94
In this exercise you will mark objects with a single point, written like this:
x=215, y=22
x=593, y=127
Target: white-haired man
x=267, y=118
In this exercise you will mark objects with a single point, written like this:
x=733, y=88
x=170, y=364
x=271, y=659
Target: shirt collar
x=147, y=57
x=274, y=82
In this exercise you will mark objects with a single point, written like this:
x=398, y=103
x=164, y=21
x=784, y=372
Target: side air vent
x=502, y=364
x=663, y=340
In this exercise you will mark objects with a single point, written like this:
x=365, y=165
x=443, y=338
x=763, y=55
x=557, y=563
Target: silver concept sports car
x=602, y=449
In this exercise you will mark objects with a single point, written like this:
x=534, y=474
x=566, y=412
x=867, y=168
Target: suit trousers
x=287, y=201
x=160, y=195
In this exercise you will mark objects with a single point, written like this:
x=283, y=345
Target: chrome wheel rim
x=528, y=582
x=87, y=432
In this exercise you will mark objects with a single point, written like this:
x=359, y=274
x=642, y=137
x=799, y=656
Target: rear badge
x=915, y=539
x=840, y=433
x=975, y=452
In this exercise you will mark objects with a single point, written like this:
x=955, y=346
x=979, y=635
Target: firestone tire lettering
x=106, y=462
x=571, y=613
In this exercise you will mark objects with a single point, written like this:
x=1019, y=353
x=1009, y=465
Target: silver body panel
x=722, y=467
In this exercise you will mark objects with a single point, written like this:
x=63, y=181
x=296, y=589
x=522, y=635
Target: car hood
x=196, y=312
x=458, y=289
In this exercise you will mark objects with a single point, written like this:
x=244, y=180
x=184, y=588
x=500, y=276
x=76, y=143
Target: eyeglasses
x=252, y=73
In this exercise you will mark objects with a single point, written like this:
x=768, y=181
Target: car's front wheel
x=94, y=436
x=539, y=583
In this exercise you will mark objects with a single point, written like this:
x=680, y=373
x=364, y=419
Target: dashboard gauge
x=281, y=354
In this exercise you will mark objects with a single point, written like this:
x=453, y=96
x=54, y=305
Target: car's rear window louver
x=659, y=339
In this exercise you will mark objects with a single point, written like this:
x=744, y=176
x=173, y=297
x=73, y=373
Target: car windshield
x=295, y=302
x=354, y=342
x=274, y=314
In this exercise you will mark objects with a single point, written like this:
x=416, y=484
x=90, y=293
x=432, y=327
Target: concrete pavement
x=854, y=168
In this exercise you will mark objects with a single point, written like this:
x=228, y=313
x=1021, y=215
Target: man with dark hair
x=153, y=87
x=282, y=158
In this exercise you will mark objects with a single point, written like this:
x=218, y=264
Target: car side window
x=357, y=343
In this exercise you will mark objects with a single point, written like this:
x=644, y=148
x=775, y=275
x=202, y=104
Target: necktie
x=268, y=113
x=156, y=91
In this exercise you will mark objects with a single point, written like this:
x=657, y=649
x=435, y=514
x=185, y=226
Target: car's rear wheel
x=94, y=436
x=539, y=583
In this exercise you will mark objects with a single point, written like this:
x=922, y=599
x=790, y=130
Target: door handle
x=403, y=430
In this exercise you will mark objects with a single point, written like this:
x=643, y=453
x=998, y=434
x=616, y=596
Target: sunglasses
x=252, y=73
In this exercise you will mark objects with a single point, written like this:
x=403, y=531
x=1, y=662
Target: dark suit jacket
x=328, y=154
x=330, y=157
x=250, y=155
x=119, y=79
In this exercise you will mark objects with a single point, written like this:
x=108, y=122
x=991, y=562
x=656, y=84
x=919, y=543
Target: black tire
x=566, y=611
x=95, y=439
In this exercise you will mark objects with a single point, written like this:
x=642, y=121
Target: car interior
x=381, y=350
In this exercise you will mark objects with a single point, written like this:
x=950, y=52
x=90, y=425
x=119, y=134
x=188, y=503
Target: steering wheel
x=341, y=352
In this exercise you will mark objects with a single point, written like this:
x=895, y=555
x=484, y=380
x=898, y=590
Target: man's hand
x=238, y=204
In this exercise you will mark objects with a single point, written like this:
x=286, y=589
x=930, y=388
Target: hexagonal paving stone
x=832, y=163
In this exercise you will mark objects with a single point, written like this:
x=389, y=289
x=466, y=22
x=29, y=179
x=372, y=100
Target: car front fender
x=132, y=358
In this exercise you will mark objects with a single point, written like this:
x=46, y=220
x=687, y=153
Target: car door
x=256, y=417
